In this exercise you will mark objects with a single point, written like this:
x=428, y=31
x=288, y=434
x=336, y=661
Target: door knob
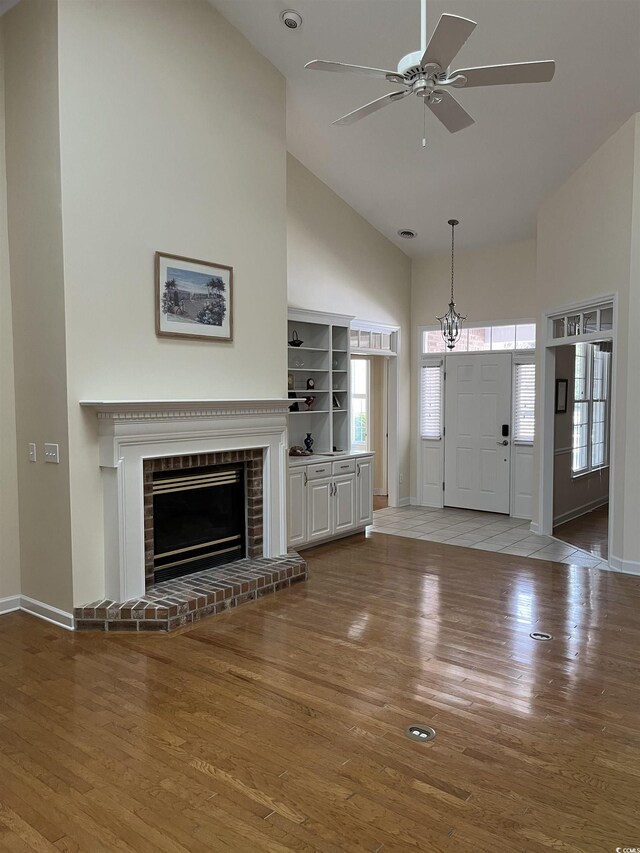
x=502, y=443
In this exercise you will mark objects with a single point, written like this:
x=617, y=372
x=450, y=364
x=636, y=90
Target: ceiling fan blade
x=448, y=110
x=500, y=75
x=446, y=40
x=323, y=65
x=373, y=106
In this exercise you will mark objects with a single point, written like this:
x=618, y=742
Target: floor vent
x=540, y=635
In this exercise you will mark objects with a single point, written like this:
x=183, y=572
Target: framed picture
x=194, y=299
x=561, y=396
x=336, y=402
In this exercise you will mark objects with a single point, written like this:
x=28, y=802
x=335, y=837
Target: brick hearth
x=175, y=603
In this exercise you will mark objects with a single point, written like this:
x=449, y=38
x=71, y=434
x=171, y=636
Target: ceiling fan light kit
x=427, y=74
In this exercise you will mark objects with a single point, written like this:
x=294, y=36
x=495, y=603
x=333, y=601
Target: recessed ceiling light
x=291, y=19
x=407, y=233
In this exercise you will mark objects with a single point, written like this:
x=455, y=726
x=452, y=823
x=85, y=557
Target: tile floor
x=485, y=531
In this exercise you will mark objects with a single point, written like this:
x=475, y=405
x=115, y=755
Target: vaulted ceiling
x=491, y=176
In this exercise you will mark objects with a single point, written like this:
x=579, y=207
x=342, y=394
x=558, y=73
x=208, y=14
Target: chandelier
x=451, y=322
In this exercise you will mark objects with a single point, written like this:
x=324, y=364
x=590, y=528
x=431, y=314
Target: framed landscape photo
x=194, y=299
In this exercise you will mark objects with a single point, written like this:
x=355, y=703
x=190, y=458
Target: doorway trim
x=393, y=401
x=546, y=371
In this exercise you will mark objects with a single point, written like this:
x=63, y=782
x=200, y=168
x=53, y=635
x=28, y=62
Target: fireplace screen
x=199, y=519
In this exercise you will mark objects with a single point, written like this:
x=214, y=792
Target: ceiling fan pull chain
x=424, y=124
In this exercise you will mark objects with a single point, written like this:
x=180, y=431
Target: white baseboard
x=382, y=492
x=404, y=501
x=534, y=527
x=576, y=512
x=629, y=567
x=9, y=604
x=47, y=612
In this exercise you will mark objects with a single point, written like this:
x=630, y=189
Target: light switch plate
x=32, y=452
x=51, y=453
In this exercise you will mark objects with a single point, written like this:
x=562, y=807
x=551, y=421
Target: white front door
x=477, y=454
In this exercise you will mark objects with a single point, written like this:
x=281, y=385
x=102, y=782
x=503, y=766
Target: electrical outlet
x=51, y=453
x=32, y=452
x=401, y=478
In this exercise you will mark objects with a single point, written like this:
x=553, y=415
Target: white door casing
x=477, y=462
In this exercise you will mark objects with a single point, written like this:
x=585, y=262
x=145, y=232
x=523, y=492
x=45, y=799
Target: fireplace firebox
x=201, y=511
x=199, y=519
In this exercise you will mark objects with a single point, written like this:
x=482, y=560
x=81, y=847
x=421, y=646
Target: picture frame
x=336, y=402
x=194, y=299
x=561, y=396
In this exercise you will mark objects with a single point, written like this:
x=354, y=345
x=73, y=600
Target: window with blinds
x=431, y=401
x=590, y=432
x=524, y=403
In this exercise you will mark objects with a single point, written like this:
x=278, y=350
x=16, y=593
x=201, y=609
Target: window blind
x=524, y=403
x=590, y=434
x=431, y=401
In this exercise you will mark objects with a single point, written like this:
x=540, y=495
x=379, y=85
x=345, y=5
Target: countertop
x=326, y=457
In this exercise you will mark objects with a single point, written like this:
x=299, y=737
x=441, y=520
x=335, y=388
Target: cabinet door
x=344, y=503
x=297, y=506
x=319, y=508
x=364, y=477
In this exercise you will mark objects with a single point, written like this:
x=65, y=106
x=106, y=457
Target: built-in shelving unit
x=324, y=359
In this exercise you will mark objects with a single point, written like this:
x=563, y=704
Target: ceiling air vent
x=407, y=233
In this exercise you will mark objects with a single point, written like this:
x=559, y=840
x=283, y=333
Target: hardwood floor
x=589, y=532
x=380, y=502
x=279, y=726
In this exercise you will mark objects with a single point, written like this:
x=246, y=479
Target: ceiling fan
x=426, y=73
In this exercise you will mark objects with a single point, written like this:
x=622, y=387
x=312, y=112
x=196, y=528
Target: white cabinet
x=329, y=498
x=319, y=509
x=297, y=506
x=364, y=487
x=344, y=503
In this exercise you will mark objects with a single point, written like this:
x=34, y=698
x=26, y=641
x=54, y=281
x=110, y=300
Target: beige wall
x=585, y=250
x=572, y=495
x=338, y=262
x=491, y=284
x=37, y=286
x=9, y=535
x=167, y=144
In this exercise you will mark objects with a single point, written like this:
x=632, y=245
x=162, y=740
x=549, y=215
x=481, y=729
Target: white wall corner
x=534, y=527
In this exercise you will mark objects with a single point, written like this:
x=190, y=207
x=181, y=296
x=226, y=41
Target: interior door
x=477, y=452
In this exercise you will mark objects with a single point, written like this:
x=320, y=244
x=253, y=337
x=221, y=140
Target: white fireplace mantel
x=131, y=431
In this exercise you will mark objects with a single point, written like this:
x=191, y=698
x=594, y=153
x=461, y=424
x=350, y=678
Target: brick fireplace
x=137, y=438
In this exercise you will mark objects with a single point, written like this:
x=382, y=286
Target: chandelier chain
x=453, y=227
